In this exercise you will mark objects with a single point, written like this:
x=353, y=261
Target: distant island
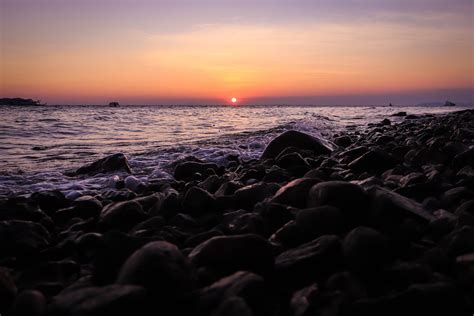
x=20, y=101
x=114, y=104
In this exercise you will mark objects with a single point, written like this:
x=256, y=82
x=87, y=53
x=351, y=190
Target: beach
x=366, y=217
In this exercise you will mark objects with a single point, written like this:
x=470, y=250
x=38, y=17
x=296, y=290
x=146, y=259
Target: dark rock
x=22, y=238
x=86, y=206
x=195, y=240
x=438, y=299
x=412, y=178
x=365, y=249
x=197, y=201
x=455, y=196
x=29, y=303
x=228, y=188
x=120, y=300
x=318, y=221
x=389, y=209
x=188, y=169
x=7, y=290
x=295, y=192
x=375, y=160
x=227, y=254
x=343, y=141
x=49, y=277
x=459, y=242
x=122, y=215
x=400, y=114
x=160, y=268
x=115, y=248
x=276, y=174
x=309, y=262
x=246, y=285
x=247, y=223
x=289, y=235
x=21, y=208
x=88, y=244
x=274, y=216
x=50, y=201
x=249, y=195
x=295, y=139
x=291, y=160
x=233, y=306
x=464, y=158
x=386, y=122
x=107, y=164
x=350, y=198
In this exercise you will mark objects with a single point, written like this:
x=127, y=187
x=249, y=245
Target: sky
x=265, y=52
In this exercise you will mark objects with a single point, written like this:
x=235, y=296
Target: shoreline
x=382, y=223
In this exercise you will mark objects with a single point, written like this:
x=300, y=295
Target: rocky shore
x=378, y=221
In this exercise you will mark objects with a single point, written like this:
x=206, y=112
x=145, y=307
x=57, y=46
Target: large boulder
x=295, y=139
x=107, y=164
x=249, y=195
x=197, y=201
x=227, y=254
x=7, y=290
x=160, y=268
x=122, y=215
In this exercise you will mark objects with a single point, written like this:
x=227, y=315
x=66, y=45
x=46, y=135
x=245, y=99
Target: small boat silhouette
x=449, y=103
x=114, y=104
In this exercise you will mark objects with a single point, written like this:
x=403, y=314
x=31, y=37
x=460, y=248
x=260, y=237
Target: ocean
x=39, y=144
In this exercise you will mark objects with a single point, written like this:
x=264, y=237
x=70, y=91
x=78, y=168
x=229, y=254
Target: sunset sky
x=265, y=51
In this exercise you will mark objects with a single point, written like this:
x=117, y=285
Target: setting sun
x=234, y=100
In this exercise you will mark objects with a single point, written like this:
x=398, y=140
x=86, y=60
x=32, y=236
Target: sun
x=233, y=100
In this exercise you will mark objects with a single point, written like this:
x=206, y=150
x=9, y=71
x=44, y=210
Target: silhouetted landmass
x=19, y=101
x=114, y=104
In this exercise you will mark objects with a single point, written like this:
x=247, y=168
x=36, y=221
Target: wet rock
x=227, y=254
x=365, y=249
x=115, y=162
x=459, y=242
x=318, y=221
x=197, y=239
x=295, y=139
x=291, y=160
x=89, y=244
x=464, y=158
x=295, y=192
x=21, y=208
x=343, y=141
x=277, y=175
x=134, y=184
x=389, y=209
x=375, y=160
x=29, y=303
x=122, y=215
x=85, y=207
x=121, y=300
x=228, y=188
x=350, y=198
x=249, y=195
x=22, y=238
x=386, y=122
x=115, y=248
x=400, y=114
x=274, y=216
x=50, y=201
x=160, y=268
x=246, y=223
x=289, y=235
x=7, y=290
x=246, y=285
x=309, y=262
x=197, y=201
x=456, y=196
x=188, y=169
x=232, y=306
x=301, y=300
x=49, y=277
